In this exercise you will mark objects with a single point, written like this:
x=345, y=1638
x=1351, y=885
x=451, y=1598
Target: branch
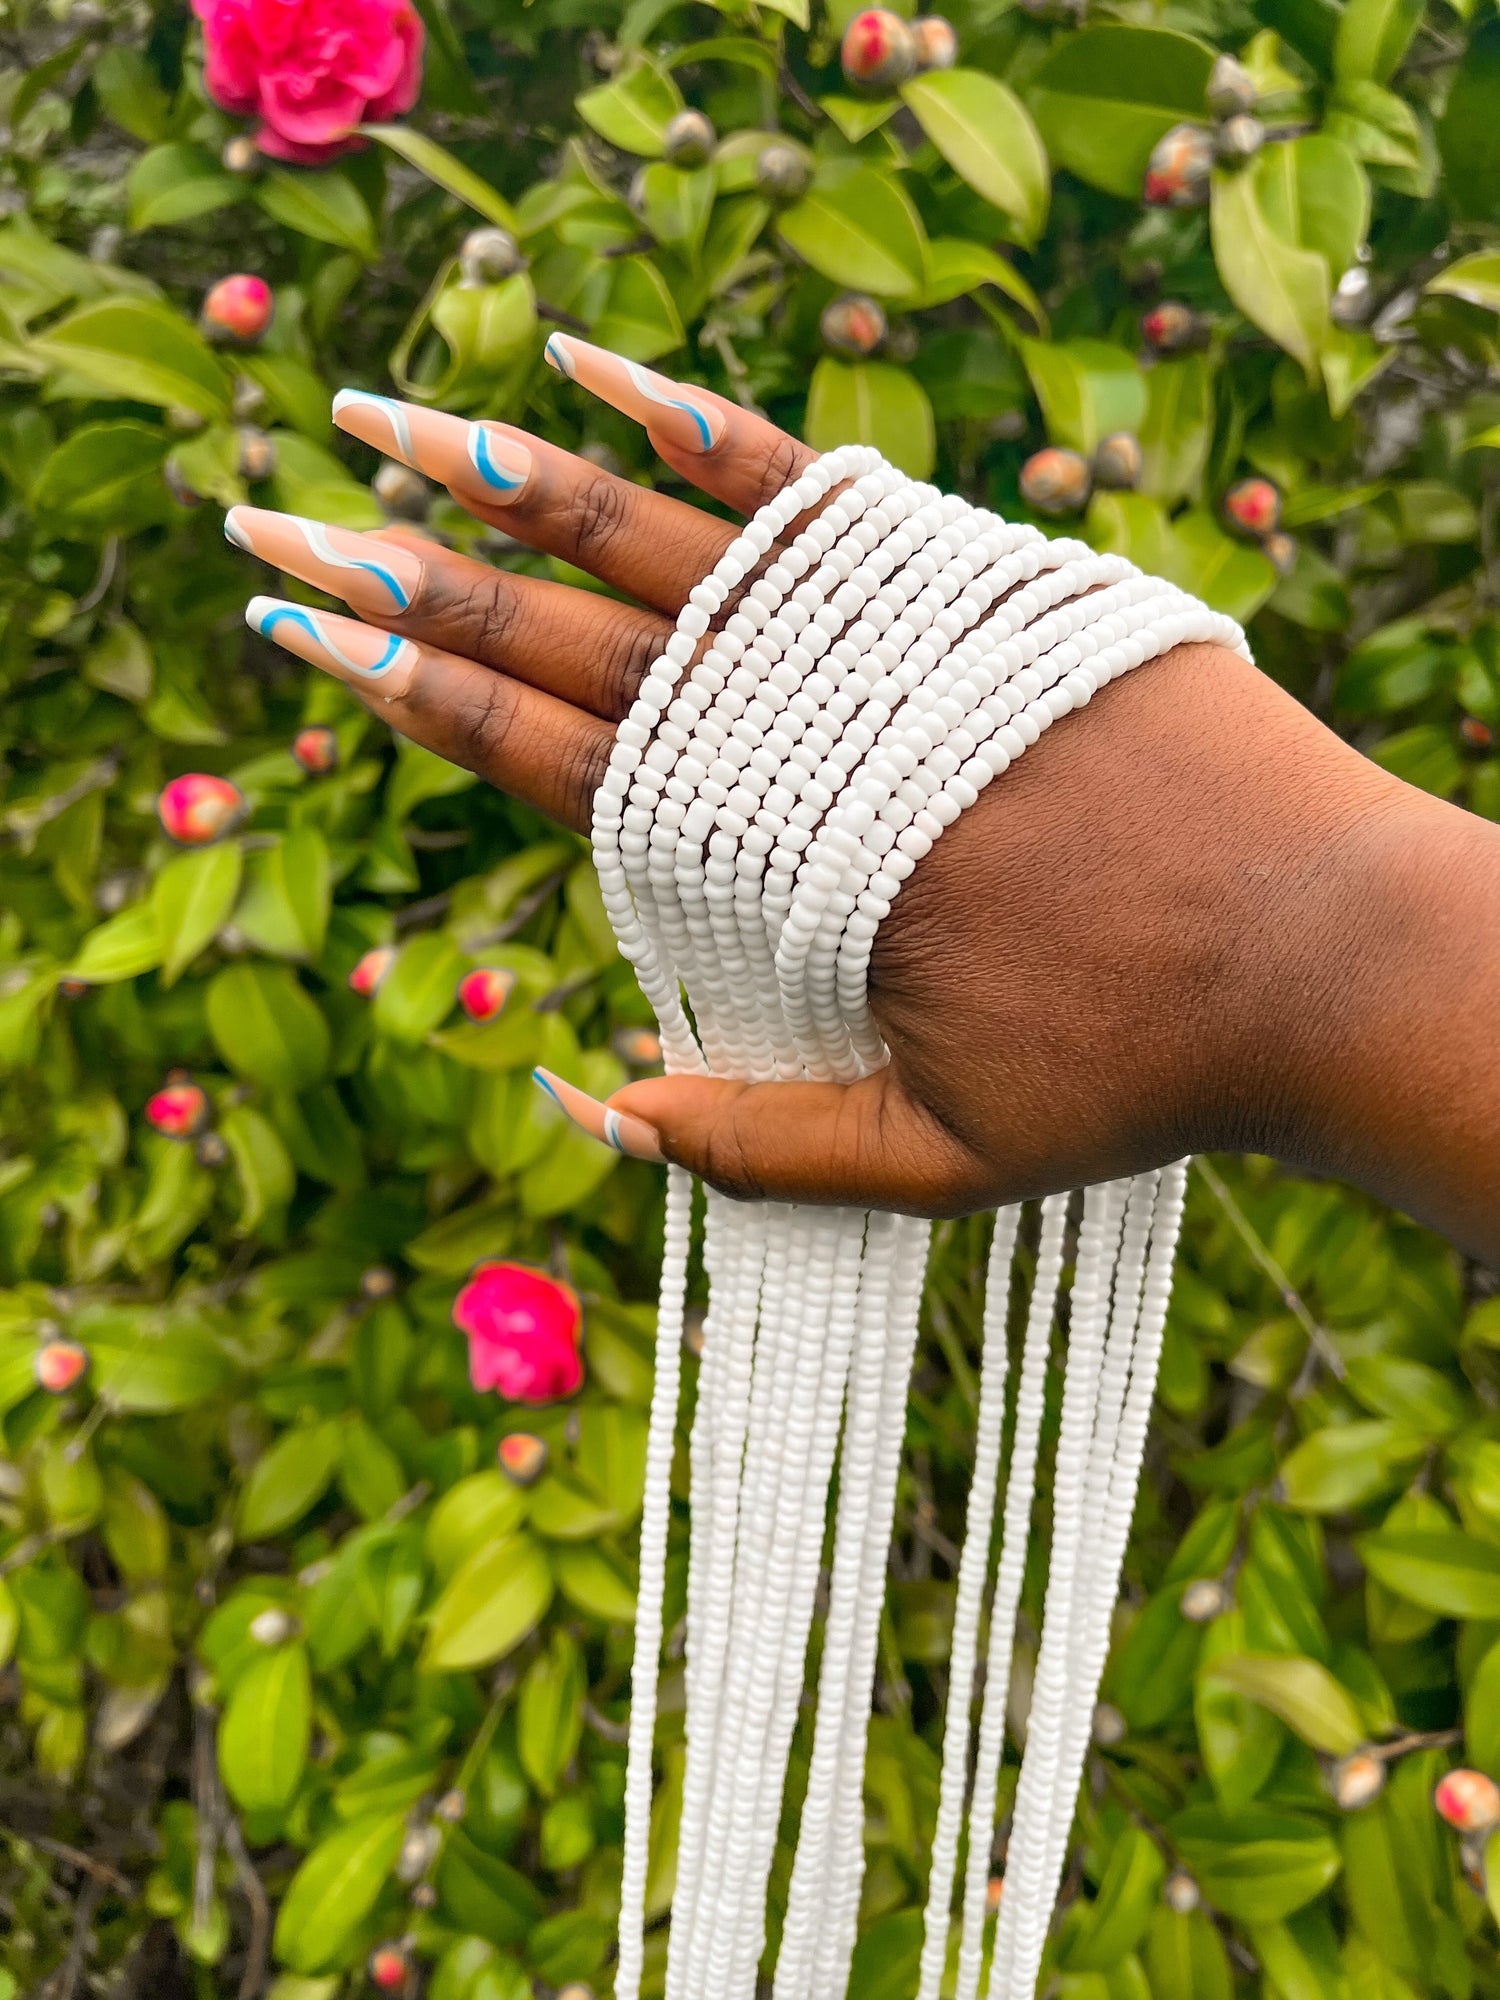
x=1291, y=1298
x=254, y=1976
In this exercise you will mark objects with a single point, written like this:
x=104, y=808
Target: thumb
x=863, y=1145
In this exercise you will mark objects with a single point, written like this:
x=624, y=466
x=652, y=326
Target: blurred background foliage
x=293, y=1672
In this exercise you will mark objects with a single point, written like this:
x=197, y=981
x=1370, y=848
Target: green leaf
x=288, y=889
x=482, y=1508
x=1231, y=575
x=267, y=1177
x=146, y=1367
x=439, y=165
x=858, y=117
x=1442, y=1570
x=1258, y=1864
x=871, y=402
x=267, y=1027
x=633, y=110
x=1392, y=1386
x=1087, y=388
x=192, y=897
x=141, y=352
x=592, y=1583
x=119, y=948
x=289, y=1479
x=888, y=1958
x=676, y=203
x=1481, y=1713
x=1469, y=130
x=1373, y=36
x=325, y=206
x=984, y=133
x=956, y=265
x=334, y=1890
x=265, y=1730
x=421, y=988
x=491, y=1602
x=857, y=227
x=549, y=1713
x=1104, y=97
x=175, y=183
x=1475, y=278
x=105, y=476
x=1282, y=288
x=1177, y=428
x=1305, y=1695
x=1344, y=1465
x=1116, y=1920
x=1185, y=1957
x=640, y=319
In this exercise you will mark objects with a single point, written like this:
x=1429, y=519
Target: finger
x=576, y=644
x=735, y=455
x=646, y=544
x=865, y=1145
x=541, y=750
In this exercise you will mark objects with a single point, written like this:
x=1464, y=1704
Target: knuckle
x=598, y=512
x=627, y=666
x=783, y=460
x=727, y=1167
x=482, y=720
x=484, y=618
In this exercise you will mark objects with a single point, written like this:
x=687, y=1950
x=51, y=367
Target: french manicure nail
x=342, y=647
x=373, y=577
x=480, y=461
x=671, y=410
x=615, y=1128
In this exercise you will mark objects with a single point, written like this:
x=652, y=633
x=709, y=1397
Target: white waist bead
x=770, y=793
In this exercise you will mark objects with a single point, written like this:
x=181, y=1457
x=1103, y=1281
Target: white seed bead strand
x=780, y=774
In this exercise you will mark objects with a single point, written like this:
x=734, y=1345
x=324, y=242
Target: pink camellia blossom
x=523, y=1332
x=311, y=70
x=179, y=1110
x=371, y=969
x=197, y=808
x=59, y=1365
x=1468, y=1800
x=238, y=308
x=483, y=992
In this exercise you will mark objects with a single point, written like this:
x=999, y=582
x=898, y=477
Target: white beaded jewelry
x=783, y=770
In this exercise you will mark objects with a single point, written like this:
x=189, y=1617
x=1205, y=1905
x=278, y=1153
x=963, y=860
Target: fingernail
x=615, y=1128
x=483, y=462
x=340, y=646
x=373, y=577
x=683, y=416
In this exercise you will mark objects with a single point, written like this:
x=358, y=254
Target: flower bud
x=1203, y=1600
x=783, y=171
x=1351, y=297
x=1355, y=1780
x=316, y=748
x=523, y=1458
x=59, y=1365
x=852, y=324
x=177, y=484
x=879, y=50
x=1468, y=1800
x=575, y=1990
x=239, y=155
x=451, y=1807
x=1180, y=1892
x=1253, y=507
x=371, y=969
x=178, y=1111
x=937, y=42
x=72, y=989
x=640, y=1047
x=1478, y=735
x=487, y=256
x=376, y=1282
x=483, y=992
x=1178, y=170
x=1173, y=328
x=1117, y=462
x=183, y=422
x=1280, y=552
x=211, y=1150
x=1239, y=139
x=388, y=1968
x=689, y=140
x=1055, y=481
x=238, y=309
x=424, y=1897
x=402, y=491
x=248, y=399
x=994, y=1895
x=1231, y=88
x=1109, y=1727
x=255, y=453
x=198, y=807
x=273, y=1626
x=418, y=1852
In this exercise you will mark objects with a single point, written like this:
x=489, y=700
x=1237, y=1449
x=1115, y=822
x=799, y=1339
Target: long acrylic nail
x=671, y=410
x=340, y=646
x=615, y=1128
x=483, y=462
x=374, y=577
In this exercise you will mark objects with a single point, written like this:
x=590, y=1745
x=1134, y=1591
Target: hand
x=1192, y=919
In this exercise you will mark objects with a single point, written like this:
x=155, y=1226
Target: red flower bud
x=1172, y=328
x=371, y=969
x=59, y=1365
x=689, y=140
x=238, y=309
x=483, y=992
x=640, y=1047
x=1468, y=1800
x=852, y=324
x=1054, y=481
x=1117, y=462
x=1478, y=735
x=197, y=808
x=1253, y=506
x=179, y=1110
x=994, y=1894
x=72, y=989
x=316, y=749
x=388, y=1968
x=879, y=50
x=523, y=1458
x=1178, y=171
x=937, y=43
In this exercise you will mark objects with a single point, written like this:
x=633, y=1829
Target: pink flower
x=523, y=1332
x=197, y=808
x=371, y=969
x=180, y=1110
x=311, y=70
x=483, y=992
x=239, y=307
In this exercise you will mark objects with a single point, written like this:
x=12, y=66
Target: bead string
x=831, y=700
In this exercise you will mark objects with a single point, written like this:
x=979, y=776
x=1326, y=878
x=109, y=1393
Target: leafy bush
x=294, y=1668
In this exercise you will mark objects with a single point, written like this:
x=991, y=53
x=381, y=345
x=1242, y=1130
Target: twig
x=25, y=822
x=561, y=318
x=207, y=1818
x=89, y=1899
x=1290, y=1297
x=1421, y=1739
x=798, y=95
x=76, y=1858
x=253, y=1978
x=717, y=336
x=612, y=1732
x=418, y=913
x=109, y=562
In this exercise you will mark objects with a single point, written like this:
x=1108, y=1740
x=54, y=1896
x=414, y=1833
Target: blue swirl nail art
x=267, y=622
x=483, y=462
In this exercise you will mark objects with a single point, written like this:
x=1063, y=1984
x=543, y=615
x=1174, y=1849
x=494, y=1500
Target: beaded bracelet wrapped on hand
x=769, y=793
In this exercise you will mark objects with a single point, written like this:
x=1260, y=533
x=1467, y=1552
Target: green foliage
x=280, y=1648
